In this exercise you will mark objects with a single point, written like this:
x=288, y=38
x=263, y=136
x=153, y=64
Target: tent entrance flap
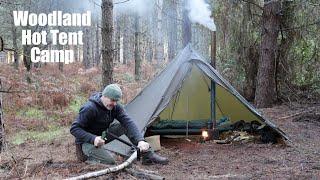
x=189, y=109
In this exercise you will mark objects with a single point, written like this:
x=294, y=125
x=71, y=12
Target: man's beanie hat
x=112, y=91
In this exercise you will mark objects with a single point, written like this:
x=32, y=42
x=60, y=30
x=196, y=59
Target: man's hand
x=143, y=146
x=98, y=141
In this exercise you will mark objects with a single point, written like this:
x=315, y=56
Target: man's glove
x=143, y=146
x=98, y=141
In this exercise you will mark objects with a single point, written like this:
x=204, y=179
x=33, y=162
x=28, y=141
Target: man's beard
x=109, y=107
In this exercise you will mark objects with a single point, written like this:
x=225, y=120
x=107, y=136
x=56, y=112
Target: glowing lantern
x=205, y=135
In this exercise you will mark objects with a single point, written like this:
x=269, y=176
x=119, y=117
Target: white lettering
x=66, y=56
x=35, y=38
x=33, y=19
x=86, y=19
x=52, y=21
x=54, y=34
x=56, y=18
x=34, y=52
x=63, y=38
x=26, y=37
x=20, y=18
x=42, y=19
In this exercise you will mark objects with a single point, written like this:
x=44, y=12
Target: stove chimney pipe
x=213, y=123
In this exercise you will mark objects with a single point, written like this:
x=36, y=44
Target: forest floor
x=41, y=147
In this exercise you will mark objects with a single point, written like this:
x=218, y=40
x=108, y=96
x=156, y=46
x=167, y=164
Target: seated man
x=96, y=116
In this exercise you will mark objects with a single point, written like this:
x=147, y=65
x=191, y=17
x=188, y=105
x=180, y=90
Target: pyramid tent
x=182, y=93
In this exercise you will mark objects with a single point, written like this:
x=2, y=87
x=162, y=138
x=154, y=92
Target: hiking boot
x=153, y=158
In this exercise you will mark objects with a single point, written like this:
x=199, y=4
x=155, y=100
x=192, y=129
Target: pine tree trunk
x=186, y=28
x=2, y=132
x=60, y=63
x=92, y=52
x=250, y=73
x=266, y=89
x=173, y=32
x=107, y=33
x=149, y=48
x=26, y=58
x=76, y=53
x=284, y=67
x=97, y=55
x=159, y=50
x=249, y=55
x=86, y=48
x=137, y=48
x=117, y=41
x=126, y=41
x=14, y=43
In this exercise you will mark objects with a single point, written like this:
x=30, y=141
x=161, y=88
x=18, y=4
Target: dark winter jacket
x=94, y=118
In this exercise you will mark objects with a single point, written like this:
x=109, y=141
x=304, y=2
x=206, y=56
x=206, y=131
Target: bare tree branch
x=121, y=2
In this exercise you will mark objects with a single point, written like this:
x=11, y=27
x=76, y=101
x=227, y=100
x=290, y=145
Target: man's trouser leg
x=148, y=157
x=98, y=155
x=101, y=154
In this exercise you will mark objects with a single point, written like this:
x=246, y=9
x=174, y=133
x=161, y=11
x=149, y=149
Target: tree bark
x=126, y=40
x=107, y=33
x=97, y=55
x=186, y=29
x=92, y=45
x=284, y=67
x=14, y=43
x=27, y=57
x=266, y=89
x=117, y=40
x=149, y=43
x=60, y=63
x=249, y=53
x=2, y=132
x=172, y=28
x=250, y=73
x=159, y=50
x=76, y=53
x=137, y=54
x=86, y=48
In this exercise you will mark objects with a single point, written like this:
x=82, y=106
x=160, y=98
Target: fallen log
x=108, y=170
x=296, y=114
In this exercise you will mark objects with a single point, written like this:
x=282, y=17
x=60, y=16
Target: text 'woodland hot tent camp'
x=179, y=100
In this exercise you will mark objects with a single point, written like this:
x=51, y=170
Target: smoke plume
x=199, y=12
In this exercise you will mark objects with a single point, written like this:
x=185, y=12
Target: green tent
x=179, y=100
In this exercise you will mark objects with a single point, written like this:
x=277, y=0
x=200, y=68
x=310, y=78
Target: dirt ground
x=191, y=160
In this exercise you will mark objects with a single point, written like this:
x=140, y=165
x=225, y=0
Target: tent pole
x=213, y=124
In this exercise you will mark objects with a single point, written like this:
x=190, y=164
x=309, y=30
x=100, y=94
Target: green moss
x=40, y=136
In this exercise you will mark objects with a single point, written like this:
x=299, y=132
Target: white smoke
x=140, y=7
x=199, y=12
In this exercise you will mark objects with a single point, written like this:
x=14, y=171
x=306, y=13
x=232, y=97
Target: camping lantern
x=205, y=135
